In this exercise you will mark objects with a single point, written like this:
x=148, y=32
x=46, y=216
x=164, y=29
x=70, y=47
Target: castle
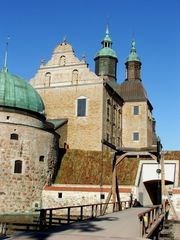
x=52, y=132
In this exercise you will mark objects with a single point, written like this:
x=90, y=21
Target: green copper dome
x=133, y=55
x=106, y=52
x=16, y=92
x=106, y=47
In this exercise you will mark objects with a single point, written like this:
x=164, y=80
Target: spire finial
x=65, y=40
x=133, y=48
x=133, y=55
x=83, y=57
x=6, y=52
x=107, y=30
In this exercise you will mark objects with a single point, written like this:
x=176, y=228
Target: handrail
x=46, y=215
x=3, y=228
x=150, y=219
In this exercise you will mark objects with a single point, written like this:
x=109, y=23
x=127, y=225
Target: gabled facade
x=87, y=100
x=95, y=105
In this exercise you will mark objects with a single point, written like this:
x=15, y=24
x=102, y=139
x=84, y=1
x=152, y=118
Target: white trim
x=138, y=136
x=87, y=106
x=140, y=168
x=139, y=112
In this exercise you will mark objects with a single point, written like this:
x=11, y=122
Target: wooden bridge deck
x=117, y=225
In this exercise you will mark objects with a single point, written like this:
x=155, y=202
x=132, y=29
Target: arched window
x=47, y=79
x=62, y=60
x=18, y=166
x=14, y=136
x=75, y=76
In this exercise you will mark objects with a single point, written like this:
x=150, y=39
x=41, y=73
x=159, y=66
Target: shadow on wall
x=61, y=153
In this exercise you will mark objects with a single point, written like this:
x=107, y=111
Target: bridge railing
x=150, y=219
x=66, y=215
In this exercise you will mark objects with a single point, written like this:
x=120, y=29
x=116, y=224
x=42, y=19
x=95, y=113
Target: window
x=41, y=158
x=18, y=166
x=136, y=110
x=60, y=195
x=81, y=107
x=62, y=61
x=107, y=136
x=14, y=136
x=119, y=119
x=75, y=76
x=135, y=136
x=102, y=196
x=47, y=79
x=108, y=112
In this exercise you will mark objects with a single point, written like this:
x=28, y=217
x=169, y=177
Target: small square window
x=60, y=195
x=136, y=110
x=14, y=136
x=41, y=158
x=102, y=196
x=135, y=136
x=81, y=107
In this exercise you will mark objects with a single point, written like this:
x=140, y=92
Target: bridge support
x=119, y=155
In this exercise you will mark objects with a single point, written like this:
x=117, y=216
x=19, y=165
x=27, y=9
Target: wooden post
x=68, y=217
x=114, y=182
x=50, y=217
x=163, y=188
x=92, y=211
x=81, y=214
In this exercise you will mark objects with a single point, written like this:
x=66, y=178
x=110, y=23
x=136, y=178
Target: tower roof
x=18, y=93
x=133, y=55
x=107, y=37
x=106, y=49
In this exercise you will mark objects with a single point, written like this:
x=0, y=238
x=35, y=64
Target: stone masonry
x=36, y=149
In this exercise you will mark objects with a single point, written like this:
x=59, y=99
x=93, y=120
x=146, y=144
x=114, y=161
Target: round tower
x=29, y=146
x=106, y=59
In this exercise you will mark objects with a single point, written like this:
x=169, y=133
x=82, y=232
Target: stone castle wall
x=37, y=150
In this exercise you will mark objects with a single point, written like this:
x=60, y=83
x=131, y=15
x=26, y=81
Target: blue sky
x=37, y=26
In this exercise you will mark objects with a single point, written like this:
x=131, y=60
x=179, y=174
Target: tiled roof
x=132, y=91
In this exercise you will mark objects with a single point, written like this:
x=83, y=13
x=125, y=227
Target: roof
x=58, y=122
x=133, y=55
x=15, y=92
x=106, y=51
x=132, y=91
x=106, y=47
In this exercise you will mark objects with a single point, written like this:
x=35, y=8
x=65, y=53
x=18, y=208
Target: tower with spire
x=106, y=59
x=133, y=64
x=137, y=122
